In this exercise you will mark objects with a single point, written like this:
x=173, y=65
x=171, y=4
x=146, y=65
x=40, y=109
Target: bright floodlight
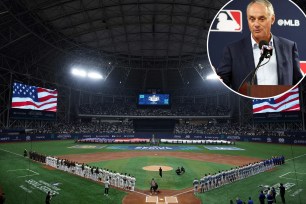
x=94, y=75
x=212, y=77
x=78, y=72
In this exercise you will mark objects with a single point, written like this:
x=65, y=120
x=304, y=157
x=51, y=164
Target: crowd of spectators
x=88, y=127
x=224, y=129
x=127, y=127
x=131, y=109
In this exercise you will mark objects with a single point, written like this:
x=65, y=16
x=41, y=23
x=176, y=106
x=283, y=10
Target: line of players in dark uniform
x=211, y=181
x=35, y=156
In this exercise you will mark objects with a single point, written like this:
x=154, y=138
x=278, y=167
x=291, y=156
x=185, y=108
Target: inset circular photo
x=257, y=47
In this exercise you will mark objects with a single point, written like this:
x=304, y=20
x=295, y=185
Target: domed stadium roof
x=136, y=44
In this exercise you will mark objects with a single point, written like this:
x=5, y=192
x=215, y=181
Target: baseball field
x=26, y=181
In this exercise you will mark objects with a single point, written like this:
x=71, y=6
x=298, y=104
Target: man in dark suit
x=282, y=191
x=239, y=58
x=160, y=172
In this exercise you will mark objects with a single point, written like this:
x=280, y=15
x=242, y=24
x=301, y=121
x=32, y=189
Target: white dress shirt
x=266, y=74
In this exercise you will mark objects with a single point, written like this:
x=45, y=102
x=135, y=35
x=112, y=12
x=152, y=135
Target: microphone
x=265, y=50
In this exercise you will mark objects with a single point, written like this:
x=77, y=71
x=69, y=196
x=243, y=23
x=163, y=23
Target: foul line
x=296, y=157
x=139, y=193
x=285, y=174
x=11, y=152
x=183, y=192
x=291, y=178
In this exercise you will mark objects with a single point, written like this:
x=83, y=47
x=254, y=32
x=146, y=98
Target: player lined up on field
x=212, y=181
x=124, y=181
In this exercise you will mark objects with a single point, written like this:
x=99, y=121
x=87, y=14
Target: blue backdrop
x=290, y=23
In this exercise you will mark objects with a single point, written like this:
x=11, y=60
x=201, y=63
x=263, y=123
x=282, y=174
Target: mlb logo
x=303, y=66
x=227, y=21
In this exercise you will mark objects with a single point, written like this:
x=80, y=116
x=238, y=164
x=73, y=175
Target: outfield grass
x=74, y=189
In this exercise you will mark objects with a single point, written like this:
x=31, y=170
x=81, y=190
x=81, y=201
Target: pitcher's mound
x=156, y=168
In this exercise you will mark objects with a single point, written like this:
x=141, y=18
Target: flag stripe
x=34, y=98
x=286, y=95
x=31, y=104
x=47, y=98
x=290, y=98
x=19, y=100
x=281, y=108
x=283, y=103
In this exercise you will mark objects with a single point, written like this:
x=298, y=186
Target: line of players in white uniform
x=209, y=182
x=118, y=180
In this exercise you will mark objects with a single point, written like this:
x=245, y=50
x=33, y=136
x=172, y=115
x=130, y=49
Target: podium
x=263, y=91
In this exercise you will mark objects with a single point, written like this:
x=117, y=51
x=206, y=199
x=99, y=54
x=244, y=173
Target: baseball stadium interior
x=132, y=73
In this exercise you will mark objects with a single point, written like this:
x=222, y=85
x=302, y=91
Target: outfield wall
x=293, y=138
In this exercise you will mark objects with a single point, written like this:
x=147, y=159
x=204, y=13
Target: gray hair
x=264, y=2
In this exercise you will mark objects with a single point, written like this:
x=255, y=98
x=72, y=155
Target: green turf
x=169, y=180
x=78, y=190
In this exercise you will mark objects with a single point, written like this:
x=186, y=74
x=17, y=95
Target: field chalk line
x=296, y=157
x=140, y=193
x=11, y=152
x=285, y=174
x=183, y=193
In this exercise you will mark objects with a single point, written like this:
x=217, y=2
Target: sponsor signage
x=154, y=148
x=233, y=137
x=299, y=142
x=292, y=138
x=65, y=136
x=223, y=148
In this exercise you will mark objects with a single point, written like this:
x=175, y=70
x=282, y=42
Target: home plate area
x=161, y=200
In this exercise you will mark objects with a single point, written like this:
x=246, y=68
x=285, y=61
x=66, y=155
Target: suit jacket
x=238, y=62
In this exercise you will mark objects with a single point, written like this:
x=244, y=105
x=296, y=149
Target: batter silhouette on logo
x=226, y=24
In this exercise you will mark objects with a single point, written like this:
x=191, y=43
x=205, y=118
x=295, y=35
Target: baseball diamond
x=35, y=179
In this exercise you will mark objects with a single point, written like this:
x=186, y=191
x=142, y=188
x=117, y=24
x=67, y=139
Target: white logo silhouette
x=226, y=24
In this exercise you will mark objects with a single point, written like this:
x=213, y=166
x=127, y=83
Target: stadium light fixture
x=78, y=72
x=94, y=75
x=212, y=77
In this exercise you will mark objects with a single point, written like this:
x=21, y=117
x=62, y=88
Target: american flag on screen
x=286, y=102
x=34, y=98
